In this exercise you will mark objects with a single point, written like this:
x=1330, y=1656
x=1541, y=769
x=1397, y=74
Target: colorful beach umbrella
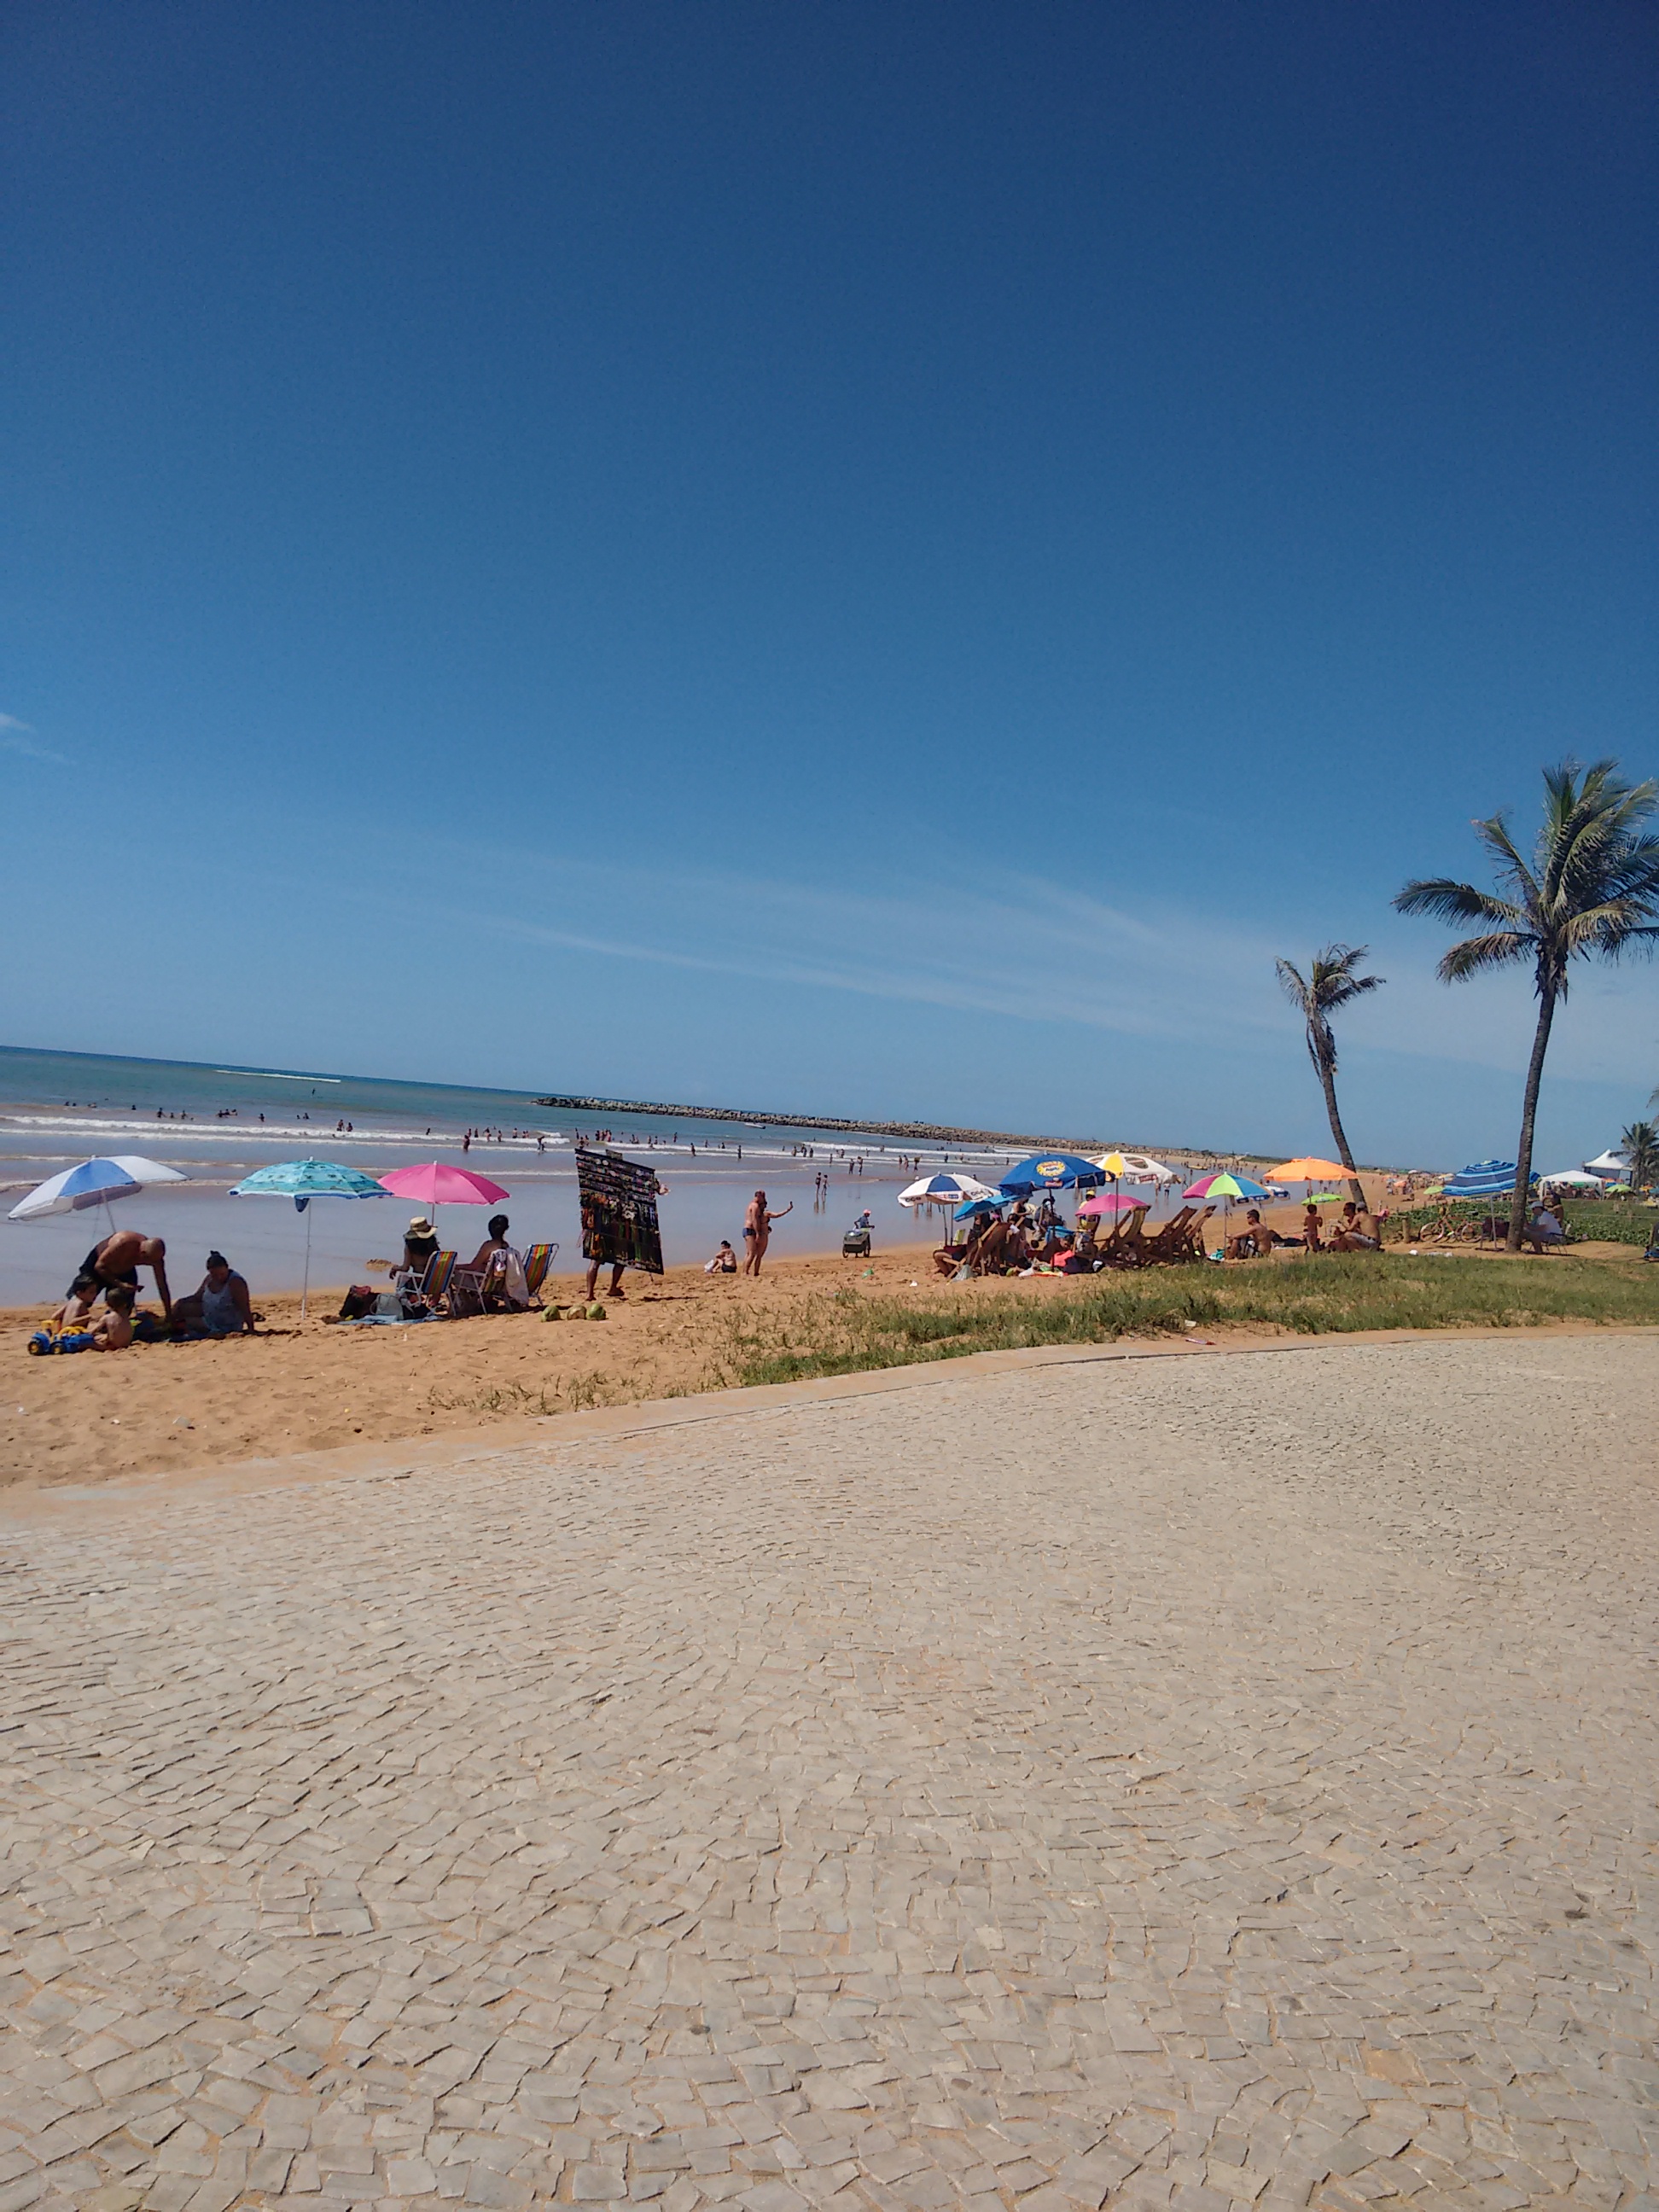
x=1223, y=1185
x=946, y=1189
x=1111, y=1201
x=436, y=1183
x=302, y=1181
x=1051, y=1171
x=1309, y=1171
x=93, y=1182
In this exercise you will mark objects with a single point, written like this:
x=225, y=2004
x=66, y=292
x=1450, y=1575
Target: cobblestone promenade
x=1191, y=1782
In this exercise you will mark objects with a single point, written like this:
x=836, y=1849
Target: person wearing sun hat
x=419, y=1242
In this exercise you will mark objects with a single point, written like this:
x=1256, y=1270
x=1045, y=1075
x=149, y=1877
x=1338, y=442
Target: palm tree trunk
x=1339, y=1135
x=1528, y=1115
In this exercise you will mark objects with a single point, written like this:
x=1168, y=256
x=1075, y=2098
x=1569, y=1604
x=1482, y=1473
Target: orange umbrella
x=1309, y=1171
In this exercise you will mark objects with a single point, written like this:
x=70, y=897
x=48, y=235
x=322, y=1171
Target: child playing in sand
x=67, y=1330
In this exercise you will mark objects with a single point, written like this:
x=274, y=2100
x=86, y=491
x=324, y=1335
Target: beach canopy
x=1609, y=1166
x=1481, y=1179
x=1574, y=1179
x=1051, y=1171
x=92, y=1183
x=434, y=1183
x=302, y=1181
x=1223, y=1186
x=1111, y=1201
x=1309, y=1171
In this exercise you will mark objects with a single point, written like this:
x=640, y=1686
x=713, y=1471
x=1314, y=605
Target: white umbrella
x=93, y=1182
x=1575, y=1178
x=1136, y=1167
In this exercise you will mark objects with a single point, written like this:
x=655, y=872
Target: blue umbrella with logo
x=302, y=1181
x=1052, y=1172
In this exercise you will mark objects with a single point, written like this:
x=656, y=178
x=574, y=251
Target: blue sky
x=874, y=559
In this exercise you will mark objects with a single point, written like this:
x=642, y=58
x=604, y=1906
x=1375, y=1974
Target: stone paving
x=1198, y=1783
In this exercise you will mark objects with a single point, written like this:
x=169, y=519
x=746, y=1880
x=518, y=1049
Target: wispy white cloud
x=17, y=737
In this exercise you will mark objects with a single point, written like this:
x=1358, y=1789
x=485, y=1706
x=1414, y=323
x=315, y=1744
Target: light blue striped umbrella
x=302, y=1181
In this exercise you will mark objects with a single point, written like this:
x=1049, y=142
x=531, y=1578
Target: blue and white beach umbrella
x=946, y=1190
x=302, y=1181
x=92, y=1183
x=1482, y=1179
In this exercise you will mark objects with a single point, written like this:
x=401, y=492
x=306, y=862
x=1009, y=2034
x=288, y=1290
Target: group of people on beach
x=220, y=1306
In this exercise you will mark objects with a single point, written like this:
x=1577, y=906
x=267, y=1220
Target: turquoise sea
x=216, y=1123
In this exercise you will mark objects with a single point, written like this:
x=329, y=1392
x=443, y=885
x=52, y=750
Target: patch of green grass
x=844, y=1332
x=1610, y=1220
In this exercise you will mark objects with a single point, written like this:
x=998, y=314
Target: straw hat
x=420, y=1226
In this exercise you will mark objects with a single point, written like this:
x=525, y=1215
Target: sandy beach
x=310, y=1386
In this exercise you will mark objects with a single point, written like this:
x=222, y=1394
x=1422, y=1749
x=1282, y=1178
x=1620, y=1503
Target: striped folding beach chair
x=536, y=1261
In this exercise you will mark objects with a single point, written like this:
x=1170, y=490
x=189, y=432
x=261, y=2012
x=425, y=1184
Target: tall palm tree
x=1640, y=1146
x=1332, y=980
x=1591, y=891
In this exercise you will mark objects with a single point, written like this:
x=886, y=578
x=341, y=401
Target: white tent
x=1572, y=1179
x=1610, y=1167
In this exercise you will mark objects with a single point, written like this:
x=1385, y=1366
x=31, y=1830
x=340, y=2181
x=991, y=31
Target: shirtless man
x=758, y=1231
x=1351, y=1233
x=1254, y=1235
x=119, y=1258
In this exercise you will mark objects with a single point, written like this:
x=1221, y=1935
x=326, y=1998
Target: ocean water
x=217, y=1124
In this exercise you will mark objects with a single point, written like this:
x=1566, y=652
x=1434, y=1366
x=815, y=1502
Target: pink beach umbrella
x=1109, y=1202
x=435, y=1183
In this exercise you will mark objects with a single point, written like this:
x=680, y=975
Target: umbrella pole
x=305, y=1286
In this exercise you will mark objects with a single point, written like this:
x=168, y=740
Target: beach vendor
x=117, y=1259
x=219, y=1306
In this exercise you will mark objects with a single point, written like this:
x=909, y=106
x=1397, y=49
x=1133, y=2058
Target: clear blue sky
x=882, y=559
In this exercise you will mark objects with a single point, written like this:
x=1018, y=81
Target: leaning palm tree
x=1332, y=980
x=1640, y=1146
x=1592, y=890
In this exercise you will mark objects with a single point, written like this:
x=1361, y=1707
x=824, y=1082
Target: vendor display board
x=619, y=1211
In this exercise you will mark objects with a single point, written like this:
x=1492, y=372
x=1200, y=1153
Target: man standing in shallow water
x=758, y=1231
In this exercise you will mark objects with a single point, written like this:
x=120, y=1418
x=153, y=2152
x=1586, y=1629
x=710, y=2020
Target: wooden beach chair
x=1168, y=1242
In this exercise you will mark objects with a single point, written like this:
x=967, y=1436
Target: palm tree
x=1592, y=890
x=1332, y=980
x=1640, y=1146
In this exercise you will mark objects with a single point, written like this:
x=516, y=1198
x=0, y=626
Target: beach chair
x=434, y=1286
x=469, y=1287
x=536, y=1261
x=1168, y=1242
x=1126, y=1247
